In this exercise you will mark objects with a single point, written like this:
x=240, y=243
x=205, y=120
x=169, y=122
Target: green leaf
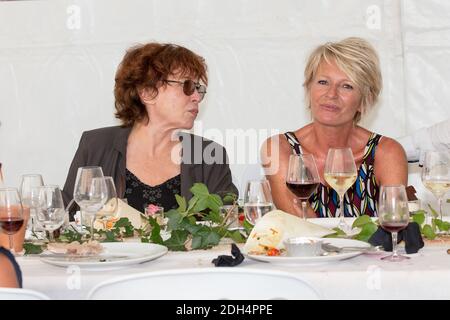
x=31, y=248
x=236, y=236
x=177, y=240
x=229, y=198
x=442, y=225
x=110, y=236
x=155, y=236
x=197, y=242
x=122, y=222
x=247, y=226
x=361, y=221
x=214, y=202
x=189, y=226
x=433, y=212
x=199, y=189
x=338, y=233
x=207, y=238
x=192, y=202
x=213, y=216
x=181, y=203
x=428, y=232
x=201, y=204
x=419, y=218
x=175, y=218
x=367, y=231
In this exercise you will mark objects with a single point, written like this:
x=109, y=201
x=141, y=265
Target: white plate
x=116, y=254
x=317, y=259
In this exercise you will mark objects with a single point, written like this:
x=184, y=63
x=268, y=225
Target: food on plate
x=275, y=227
x=75, y=248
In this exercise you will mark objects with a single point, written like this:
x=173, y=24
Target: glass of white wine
x=436, y=174
x=340, y=173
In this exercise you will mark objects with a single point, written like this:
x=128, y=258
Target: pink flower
x=151, y=210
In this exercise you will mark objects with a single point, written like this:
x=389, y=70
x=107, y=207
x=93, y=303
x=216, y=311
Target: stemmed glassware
x=340, y=173
x=28, y=190
x=89, y=196
x=50, y=210
x=110, y=209
x=257, y=200
x=393, y=215
x=436, y=174
x=302, y=178
x=11, y=213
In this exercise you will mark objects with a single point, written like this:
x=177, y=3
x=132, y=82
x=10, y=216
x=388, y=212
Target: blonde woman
x=342, y=81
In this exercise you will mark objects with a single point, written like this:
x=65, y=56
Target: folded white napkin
x=124, y=211
x=276, y=226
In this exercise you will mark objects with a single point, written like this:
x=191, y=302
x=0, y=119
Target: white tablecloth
x=425, y=276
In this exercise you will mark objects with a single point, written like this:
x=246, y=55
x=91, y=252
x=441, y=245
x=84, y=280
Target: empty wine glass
x=340, y=173
x=88, y=202
x=11, y=213
x=302, y=178
x=257, y=200
x=50, y=210
x=110, y=209
x=436, y=174
x=28, y=190
x=393, y=215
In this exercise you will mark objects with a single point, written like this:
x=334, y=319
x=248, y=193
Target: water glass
x=257, y=200
x=28, y=190
x=50, y=210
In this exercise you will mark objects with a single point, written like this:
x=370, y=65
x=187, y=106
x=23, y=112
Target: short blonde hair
x=358, y=60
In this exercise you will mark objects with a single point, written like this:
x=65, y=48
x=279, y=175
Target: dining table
x=426, y=275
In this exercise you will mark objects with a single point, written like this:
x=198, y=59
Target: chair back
x=21, y=294
x=206, y=284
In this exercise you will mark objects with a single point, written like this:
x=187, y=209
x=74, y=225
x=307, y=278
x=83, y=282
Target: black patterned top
x=139, y=195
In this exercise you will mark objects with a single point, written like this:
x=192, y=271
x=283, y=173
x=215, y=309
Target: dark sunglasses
x=190, y=86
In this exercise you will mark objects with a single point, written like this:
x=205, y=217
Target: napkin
x=235, y=259
x=124, y=211
x=276, y=226
x=411, y=235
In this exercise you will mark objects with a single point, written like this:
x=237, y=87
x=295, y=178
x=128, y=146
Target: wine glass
x=257, y=200
x=110, y=209
x=436, y=174
x=11, y=213
x=393, y=215
x=340, y=173
x=302, y=178
x=89, y=202
x=28, y=190
x=50, y=210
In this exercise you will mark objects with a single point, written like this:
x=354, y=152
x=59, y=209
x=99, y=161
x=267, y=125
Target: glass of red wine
x=393, y=215
x=11, y=213
x=302, y=178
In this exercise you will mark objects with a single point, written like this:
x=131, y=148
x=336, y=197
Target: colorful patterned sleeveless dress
x=360, y=198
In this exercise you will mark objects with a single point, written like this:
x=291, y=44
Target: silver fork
x=332, y=248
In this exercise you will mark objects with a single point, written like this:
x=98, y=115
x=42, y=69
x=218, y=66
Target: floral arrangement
x=195, y=224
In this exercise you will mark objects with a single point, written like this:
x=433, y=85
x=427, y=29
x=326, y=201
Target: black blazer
x=203, y=161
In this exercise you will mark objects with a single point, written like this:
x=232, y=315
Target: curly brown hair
x=145, y=66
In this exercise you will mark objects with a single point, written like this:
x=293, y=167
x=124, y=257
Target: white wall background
x=58, y=59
